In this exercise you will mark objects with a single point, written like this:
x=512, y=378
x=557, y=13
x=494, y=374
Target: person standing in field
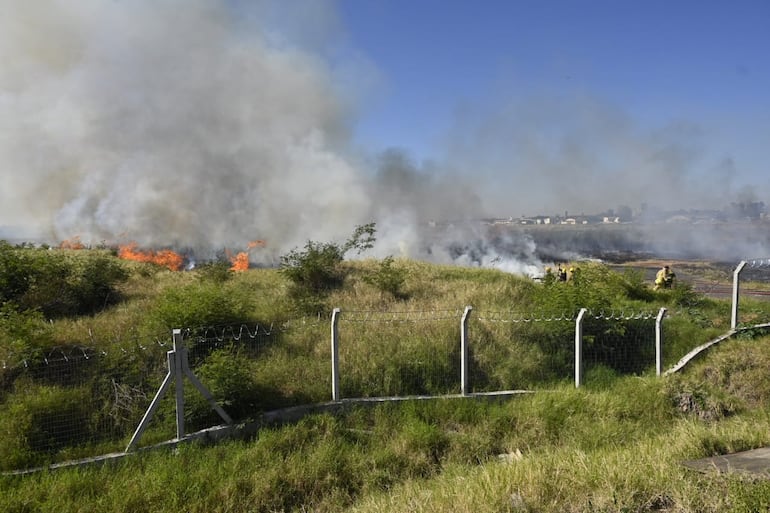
x=664, y=279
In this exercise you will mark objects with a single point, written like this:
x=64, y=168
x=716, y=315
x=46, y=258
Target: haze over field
x=206, y=124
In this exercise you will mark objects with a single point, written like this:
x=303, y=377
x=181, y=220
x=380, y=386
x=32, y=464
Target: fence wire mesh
x=618, y=342
x=385, y=354
x=511, y=351
x=75, y=402
x=250, y=369
x=754, y=292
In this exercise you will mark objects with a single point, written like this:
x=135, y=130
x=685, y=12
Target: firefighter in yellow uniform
x=549, y=277
x=665, y=278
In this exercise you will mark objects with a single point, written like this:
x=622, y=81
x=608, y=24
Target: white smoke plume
x=161, y=122
x=198, y=125
x=175, y=124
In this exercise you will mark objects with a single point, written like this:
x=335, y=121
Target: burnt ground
x=704, y=256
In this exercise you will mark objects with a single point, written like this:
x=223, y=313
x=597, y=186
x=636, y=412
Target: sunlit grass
x=617, y=444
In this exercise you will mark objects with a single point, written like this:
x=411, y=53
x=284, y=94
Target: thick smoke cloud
x=192, y=125
x=161, y=122
x=205, y=124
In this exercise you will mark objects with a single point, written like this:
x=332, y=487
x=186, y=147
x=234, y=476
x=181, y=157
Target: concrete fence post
x=178, y=368
x=335, y=356
x=464, y=370
x=181, y=355
x=659, y=341
x=736, y=290
x=579, y=348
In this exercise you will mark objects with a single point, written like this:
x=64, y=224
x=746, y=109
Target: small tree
x=315, y=271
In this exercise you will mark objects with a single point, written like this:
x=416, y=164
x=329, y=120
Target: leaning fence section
x=74, y=402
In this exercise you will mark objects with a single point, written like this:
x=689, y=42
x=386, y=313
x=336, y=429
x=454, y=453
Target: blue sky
x=699, y=69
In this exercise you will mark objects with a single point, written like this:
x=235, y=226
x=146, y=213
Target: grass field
x=615, y=444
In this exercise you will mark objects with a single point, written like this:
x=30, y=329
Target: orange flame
x=240, y=261
x=165, y=257
x=73, y=243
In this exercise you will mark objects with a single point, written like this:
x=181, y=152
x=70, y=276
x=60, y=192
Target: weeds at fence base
x=251, y=428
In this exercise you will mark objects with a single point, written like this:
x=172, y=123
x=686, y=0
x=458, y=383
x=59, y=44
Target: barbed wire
x=758, y=262
x=305, y=322
x=400, y=316
x=53, y=355
x=227, y=332
x=516, y=317
x=621, y=315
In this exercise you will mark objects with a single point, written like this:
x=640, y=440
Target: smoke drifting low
x=168, y=124
x=578, y=153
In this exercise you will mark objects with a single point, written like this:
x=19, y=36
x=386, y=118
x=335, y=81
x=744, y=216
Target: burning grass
x=164, y=257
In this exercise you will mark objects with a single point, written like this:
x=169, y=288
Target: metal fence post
x=579, y=348
x=464, y=377
x=736, y=289
x=335, y=356
x=659, y=341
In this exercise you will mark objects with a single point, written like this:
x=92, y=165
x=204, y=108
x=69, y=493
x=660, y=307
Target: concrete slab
x=755, y=462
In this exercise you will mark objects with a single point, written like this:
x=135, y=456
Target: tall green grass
x=619, y=448
x=327, y=463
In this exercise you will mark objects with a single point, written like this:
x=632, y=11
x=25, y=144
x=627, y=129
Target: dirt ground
x=714, y=279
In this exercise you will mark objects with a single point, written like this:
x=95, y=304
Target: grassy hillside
x=615, y=449
x=614, y=445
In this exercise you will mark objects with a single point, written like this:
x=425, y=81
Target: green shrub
x=24, y=334
x=200, y=304
x=58, y=286
x=229, y=376
x=94, y=284
x=13, y=273
x=388, y=279
x=217, y=272
x=317, y=270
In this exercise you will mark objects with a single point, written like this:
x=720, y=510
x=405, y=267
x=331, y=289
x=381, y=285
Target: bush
x=23, y=334
x=200, y=304
x=13, y=273
x=56, y=286
x=217, y=272
x=229, y=377
x=317, y=270
x=388, y=278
